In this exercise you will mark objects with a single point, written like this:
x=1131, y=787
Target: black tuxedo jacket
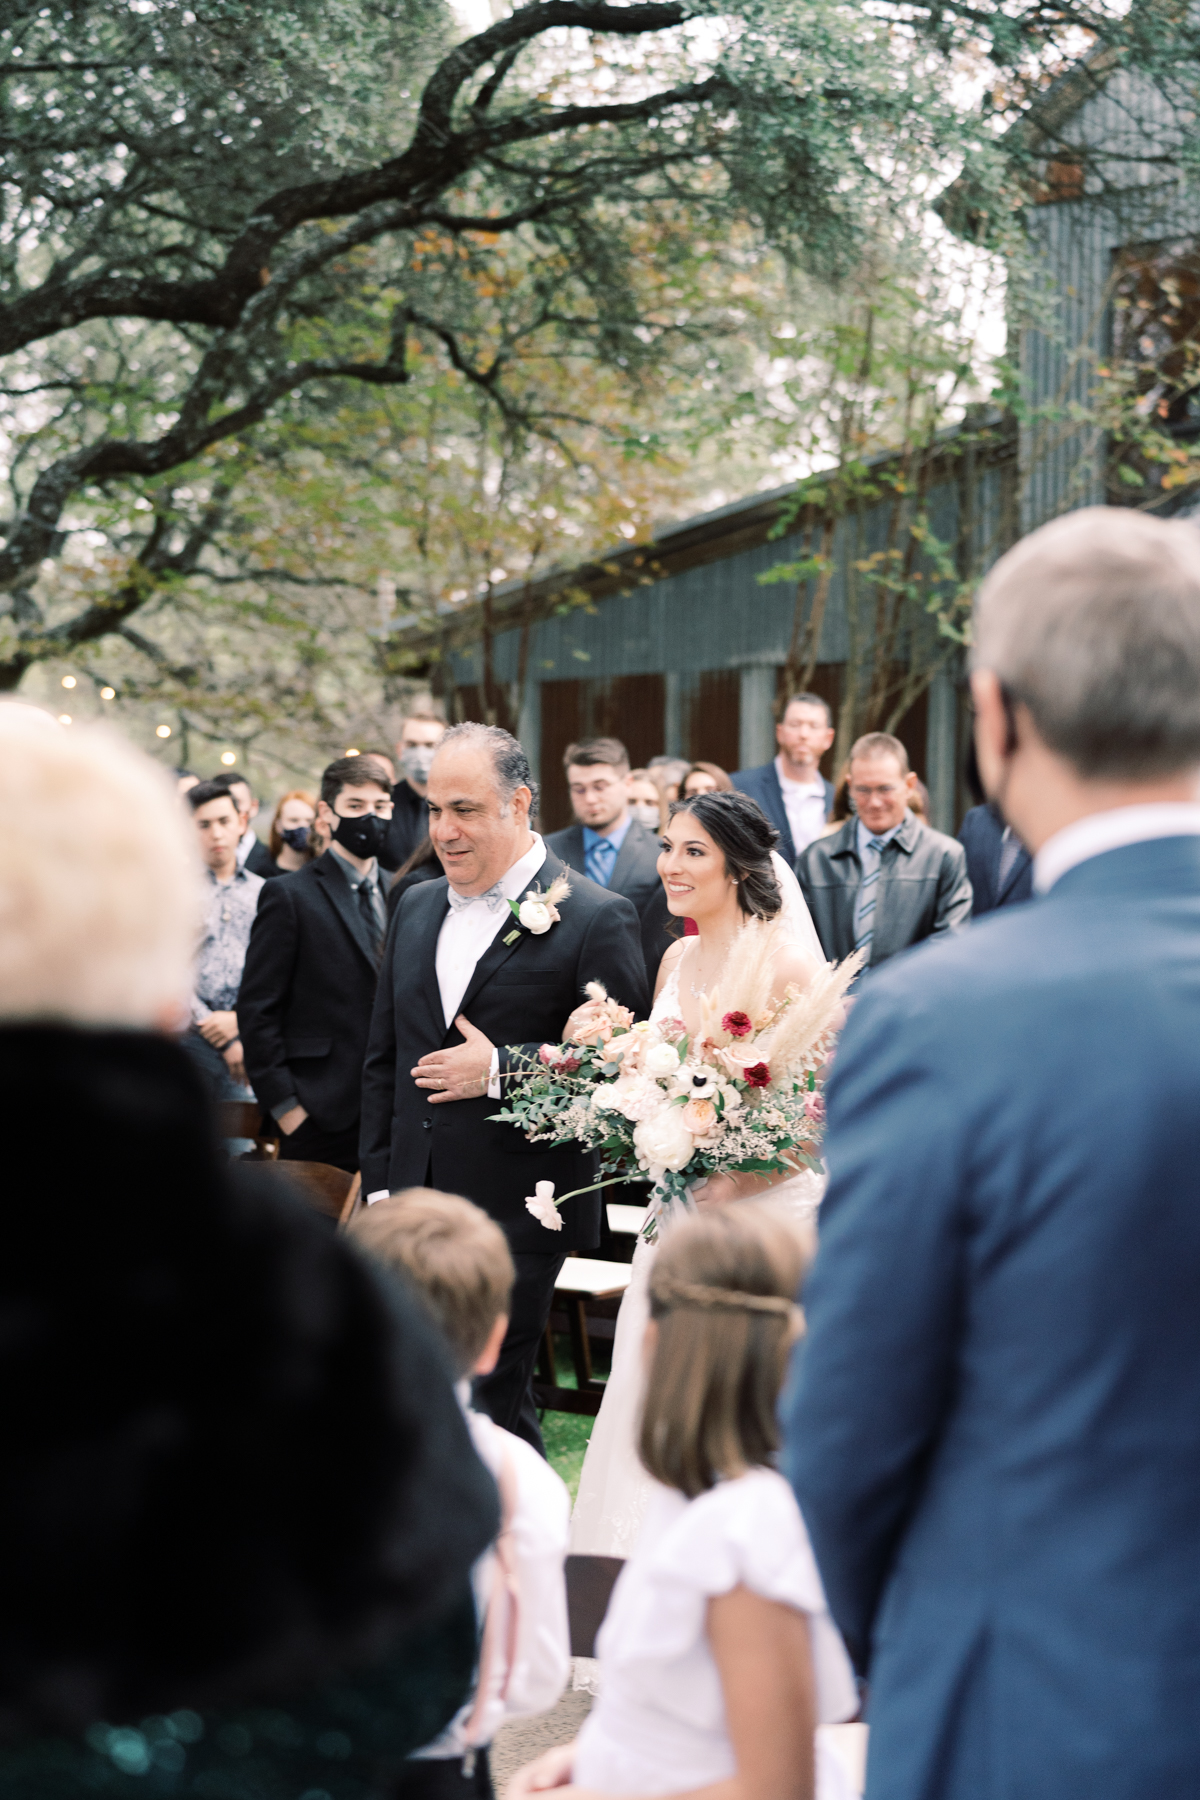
x=304, y=1006
x=521, y=993
x=407, y=826
x=261, y=862
x=635, y=874
x=981, y=835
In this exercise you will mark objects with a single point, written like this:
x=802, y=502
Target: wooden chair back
x=590, y=1582
x=328, y=1190
x=246, y=1119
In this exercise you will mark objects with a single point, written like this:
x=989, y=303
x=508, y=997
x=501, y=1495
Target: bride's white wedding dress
x=614, y=1488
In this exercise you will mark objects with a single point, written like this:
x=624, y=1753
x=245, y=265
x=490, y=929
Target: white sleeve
x=541, y=1526
x=749, y=1532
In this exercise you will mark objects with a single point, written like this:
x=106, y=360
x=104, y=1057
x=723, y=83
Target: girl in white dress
x=719, y=869
x=718, y=1657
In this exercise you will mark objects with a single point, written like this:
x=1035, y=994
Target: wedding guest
x=792, y=790
x=290, y=840
x=184, y=779
x=252, y=852
x=311, y=969
x=645, y=800
x=998, y=864
x=705, y=778
x=607, y=844
x=230, y=902
x=885, y=881
x=381, y=756
x=422, y=865
x=467, y=991
x=667, y=772
x=240, y=1503
x=842, y=808
x=456, y=1261
x=717, y=1655
x=992, y=1429
x=420, y=735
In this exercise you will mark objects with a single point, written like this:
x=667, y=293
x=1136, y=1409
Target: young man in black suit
x=252, y=852
x=311, y=967
x=792, y=790
x=465, y=993
x=608, y=845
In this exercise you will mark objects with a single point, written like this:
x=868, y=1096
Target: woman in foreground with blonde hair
x=718, y=1656
x=240, y=1502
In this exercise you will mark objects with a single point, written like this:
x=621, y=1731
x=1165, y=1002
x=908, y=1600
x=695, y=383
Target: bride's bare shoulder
x=793, y=968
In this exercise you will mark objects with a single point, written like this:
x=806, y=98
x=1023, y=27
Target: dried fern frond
x=810, y=1019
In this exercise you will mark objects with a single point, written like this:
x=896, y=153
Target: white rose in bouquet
x=661, y=1059
x=636, y=1098
x=664, y=1139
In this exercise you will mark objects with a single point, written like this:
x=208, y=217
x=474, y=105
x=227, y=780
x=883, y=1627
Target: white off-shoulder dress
x=659, y=1726
x=613, y=1486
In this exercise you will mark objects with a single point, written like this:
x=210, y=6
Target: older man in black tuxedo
x=462, y=983
x=608, y=845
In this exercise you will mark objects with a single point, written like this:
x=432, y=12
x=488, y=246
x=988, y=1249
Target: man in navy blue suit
x=999, y=866
x=992, y=1426
x=792, y=790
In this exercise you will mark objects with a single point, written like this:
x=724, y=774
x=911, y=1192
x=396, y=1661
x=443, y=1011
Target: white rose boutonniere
x=537, y=912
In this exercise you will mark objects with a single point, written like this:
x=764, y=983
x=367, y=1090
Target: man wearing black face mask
x=304, y=1008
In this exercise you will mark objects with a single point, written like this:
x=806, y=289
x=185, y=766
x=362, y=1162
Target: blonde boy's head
x=455, y=1257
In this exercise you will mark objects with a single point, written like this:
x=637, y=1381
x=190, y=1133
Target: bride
x=718, y=868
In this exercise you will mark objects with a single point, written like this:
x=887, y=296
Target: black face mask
x=295, y=837
x=363, y=835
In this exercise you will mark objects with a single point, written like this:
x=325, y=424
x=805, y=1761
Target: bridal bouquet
x=743, y=1093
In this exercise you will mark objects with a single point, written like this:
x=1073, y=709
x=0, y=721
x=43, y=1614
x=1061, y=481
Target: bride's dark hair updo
x=741, y=830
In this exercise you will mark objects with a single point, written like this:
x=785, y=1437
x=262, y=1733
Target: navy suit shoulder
x=991, y=1419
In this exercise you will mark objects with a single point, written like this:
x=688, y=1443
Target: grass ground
x=566, y=1434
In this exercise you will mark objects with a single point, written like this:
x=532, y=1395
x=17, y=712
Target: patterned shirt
x=229, y=912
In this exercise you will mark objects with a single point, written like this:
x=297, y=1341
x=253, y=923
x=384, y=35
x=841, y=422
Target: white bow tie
x=493, y=899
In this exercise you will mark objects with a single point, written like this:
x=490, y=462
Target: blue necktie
x=864, y=912
x=600, y=860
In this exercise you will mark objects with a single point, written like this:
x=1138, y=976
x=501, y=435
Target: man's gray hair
x=508, y=759
x=1094, y=622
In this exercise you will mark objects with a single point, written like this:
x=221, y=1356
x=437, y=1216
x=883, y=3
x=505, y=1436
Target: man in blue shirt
x=607, y=844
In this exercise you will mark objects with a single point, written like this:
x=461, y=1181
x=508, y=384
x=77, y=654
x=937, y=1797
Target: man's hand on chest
x=459, y=1072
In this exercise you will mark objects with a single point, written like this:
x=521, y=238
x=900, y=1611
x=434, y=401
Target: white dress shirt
x=804, y=803
x=246, y=845
x=467, y=932
x=1111, y=830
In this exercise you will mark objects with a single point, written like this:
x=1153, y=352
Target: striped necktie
x=864, y=911
x=601, y=860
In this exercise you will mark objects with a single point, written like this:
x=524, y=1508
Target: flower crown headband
x=690, y=1293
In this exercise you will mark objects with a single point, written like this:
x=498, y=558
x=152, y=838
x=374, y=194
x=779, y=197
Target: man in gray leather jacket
x=885, y=880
